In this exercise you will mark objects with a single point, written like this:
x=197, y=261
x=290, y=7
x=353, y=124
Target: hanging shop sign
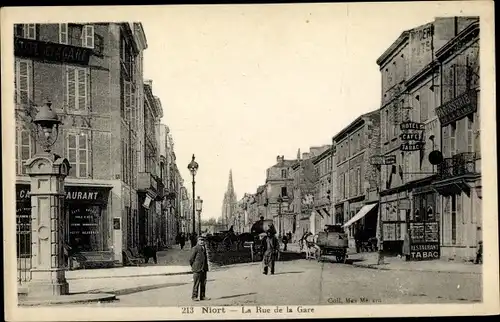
x=383, y=160
x=412, y=146
x=457, y=108
x=424, y=241
x=406, y=126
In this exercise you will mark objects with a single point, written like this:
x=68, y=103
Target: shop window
x=86, y=227
x=78, y=154
x=77, y=89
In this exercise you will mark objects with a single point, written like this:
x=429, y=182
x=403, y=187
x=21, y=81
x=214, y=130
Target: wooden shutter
x=63, y=33
x=23, y=81
x=88, y=36
x=82, y=89
x=83, y=155
x=445, y=141
x=71, y=86
x=30, y=31
x=72, y=153
x=127, y=94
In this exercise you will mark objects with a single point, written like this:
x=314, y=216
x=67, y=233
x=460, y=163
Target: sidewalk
x=171, y=262
x=369, y=260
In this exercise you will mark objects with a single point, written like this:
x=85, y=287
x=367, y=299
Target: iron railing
x=23, y=243
x=458, y=165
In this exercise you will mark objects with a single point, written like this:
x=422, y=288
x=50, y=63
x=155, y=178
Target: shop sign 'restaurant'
x=51, y=51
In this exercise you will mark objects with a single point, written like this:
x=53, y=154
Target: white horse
x=311, y=247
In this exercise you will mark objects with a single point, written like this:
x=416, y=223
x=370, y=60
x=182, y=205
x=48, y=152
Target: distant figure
x=406, y=246
x=285, y=242
x=199, y=266
x=289, y=237
x=357, y=238
x=150, y=252
x=182, y=240
x=270, y=246
x=479, y=253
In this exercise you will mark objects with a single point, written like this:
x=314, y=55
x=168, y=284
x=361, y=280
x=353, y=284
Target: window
x=387, y=125
x=63, y=33
x=358, y=178
x=470, y=129
x=23, y=81
x=77, y=85
x=283, y=192
x=453, y=219
x=23, y=150
x=78, y=154
x=358, y=142
x=453, y=131
x=27, y=30
x=283, y=173
x=424, y=106
x=76, y=35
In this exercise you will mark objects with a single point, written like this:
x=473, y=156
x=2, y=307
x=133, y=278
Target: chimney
x=305, y=155
x=280, y=158
x=148, y=82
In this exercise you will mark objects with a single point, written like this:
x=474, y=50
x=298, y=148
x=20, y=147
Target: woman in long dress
x=271, y=249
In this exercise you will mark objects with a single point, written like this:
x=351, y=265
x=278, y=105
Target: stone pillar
x=47, y=173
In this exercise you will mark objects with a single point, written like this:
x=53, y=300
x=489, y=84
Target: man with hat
x=199, y=266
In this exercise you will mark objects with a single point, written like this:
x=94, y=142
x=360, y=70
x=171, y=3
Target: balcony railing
x=459, y=165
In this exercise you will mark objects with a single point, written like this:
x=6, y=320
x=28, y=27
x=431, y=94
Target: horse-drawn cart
x=333, y=241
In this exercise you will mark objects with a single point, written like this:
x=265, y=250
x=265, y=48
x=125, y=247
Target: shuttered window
x=470, y=130
x=63, y=33
x=77, y=89
x=23, y=81
x=88, y=36
x=23, y=150
x=78, y=154
x=29, y=31
x=453, y=141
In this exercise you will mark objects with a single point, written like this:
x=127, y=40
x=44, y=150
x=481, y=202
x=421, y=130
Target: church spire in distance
x=230, y=187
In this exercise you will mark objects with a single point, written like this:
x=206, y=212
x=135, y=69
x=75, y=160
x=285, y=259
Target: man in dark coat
x=199, y=266
x=182, y=240
x=271, y=248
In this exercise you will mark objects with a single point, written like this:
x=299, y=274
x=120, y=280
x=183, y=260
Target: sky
x=242, y=84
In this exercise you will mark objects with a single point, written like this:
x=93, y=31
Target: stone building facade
x=410, y=131
x=323, y=196
x=83, y=69
x=356, y=177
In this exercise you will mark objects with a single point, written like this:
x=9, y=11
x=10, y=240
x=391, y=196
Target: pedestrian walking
x=285, y=242
x=199, y=266
x=406, y=246
x=182, y=240
x=479, y=253
x=271, y=249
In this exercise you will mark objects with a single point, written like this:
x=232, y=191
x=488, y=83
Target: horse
x=312, y=249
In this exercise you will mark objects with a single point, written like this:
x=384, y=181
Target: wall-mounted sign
x=424, y=240
x=457, y=108
x=48, y=51
x=72, y=193
x=412, y=146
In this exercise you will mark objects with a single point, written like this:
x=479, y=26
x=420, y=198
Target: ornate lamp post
x=193, y=168
x=47, y=172
x=199, y=207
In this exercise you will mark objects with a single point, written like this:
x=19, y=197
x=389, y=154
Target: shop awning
x=365, y=210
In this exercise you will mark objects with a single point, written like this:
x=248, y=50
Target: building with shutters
x=357, y=179
x=458, y=181
x=323, y=196
x=93, y=75
x=410, y=130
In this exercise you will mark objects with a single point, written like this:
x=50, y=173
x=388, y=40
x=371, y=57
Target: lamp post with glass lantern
x=199, y=206
x=47, y=172
x=193, y=168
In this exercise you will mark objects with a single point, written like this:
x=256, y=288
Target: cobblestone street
x=307, y=283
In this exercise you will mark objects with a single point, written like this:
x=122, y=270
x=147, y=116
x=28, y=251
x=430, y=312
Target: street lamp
x=199, y=206
x=280, y=201
x=47, y=172
x=46, y=120
x=193, y=168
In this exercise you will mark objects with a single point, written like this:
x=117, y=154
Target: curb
x=375, y=266
x=68, y=299
x=125, y=276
